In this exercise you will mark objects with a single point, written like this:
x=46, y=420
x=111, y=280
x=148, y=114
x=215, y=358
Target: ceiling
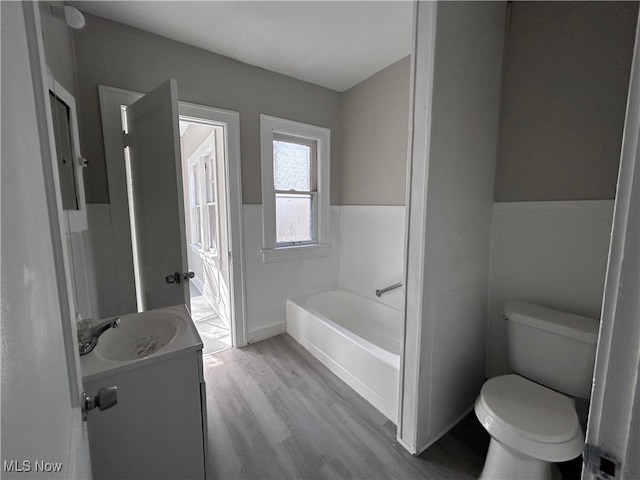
x=335, y=44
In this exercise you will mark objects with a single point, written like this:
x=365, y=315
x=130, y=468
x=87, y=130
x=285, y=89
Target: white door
x=156, y=176
x=42, y=430
x=613, y=433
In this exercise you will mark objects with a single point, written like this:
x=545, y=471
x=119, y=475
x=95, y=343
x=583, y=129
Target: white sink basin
x=139, y=336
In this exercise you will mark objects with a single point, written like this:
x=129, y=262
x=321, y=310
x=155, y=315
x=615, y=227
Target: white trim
x=269, y=331
x=270, y=126
x=614, y=412
x=79, y=458
x=110, y=100
x=294, y=252
x=415, y=309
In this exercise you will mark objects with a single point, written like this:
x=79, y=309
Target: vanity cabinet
x=158, y=428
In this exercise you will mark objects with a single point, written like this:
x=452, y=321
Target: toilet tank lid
x=562, y=323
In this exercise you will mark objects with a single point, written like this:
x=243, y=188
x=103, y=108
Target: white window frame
x=200, y=238
x=195, y=204
x=211, y=181
x=271, y=127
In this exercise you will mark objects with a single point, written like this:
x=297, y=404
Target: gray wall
x=564, y=97
x=375, y=117
x=116, y=55
x=58, y=46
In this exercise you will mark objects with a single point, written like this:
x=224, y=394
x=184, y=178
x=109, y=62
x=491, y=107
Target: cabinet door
x=156, y=428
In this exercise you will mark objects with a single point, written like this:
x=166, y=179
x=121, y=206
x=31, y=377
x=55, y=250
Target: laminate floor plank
x=292, y=361
x=262, y=410
x=275, y=412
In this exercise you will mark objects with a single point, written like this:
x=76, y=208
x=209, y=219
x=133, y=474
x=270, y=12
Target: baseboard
x=269, y=331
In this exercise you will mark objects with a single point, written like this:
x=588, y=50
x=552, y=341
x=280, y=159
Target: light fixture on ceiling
x=71, y=15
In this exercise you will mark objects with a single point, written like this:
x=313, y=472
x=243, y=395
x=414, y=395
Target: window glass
x=196, y=222
x=210, y=168
x=195, y=198
x=213, y=227
x=291, y=166
x=198, y=225
x=64, y=152
x=294, y=218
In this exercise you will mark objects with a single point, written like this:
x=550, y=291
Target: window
x=295, y=189
x=203, y=197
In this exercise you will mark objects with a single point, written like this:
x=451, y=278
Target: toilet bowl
x=531, y=425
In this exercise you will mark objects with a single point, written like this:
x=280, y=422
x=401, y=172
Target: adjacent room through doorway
x=203, y=174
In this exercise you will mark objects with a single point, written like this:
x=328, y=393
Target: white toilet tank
x=553, y=348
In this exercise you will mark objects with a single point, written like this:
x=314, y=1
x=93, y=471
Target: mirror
x=61, y=114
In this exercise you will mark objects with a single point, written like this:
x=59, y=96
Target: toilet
x=531, y=413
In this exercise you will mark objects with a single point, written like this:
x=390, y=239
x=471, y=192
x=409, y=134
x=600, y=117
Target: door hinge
x=126, y=139
x=601, y=463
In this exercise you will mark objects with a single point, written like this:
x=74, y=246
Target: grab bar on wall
x=386, y=289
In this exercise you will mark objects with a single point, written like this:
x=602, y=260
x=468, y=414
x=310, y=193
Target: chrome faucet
x=88, y=336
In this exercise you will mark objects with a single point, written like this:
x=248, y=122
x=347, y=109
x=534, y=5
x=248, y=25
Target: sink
x=139, y=336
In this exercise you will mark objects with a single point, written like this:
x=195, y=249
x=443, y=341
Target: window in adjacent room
x=295, y=189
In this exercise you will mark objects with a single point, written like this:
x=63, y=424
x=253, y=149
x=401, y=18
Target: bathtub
x=357, y=338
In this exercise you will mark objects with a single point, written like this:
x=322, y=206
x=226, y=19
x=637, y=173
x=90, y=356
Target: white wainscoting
x=104, y=260
x=372, y=250
x=550, y=253
x=268, y=285
x=84, y=273
x=366, y=254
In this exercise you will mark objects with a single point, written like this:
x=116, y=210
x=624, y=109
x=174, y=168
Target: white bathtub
x=358, y=339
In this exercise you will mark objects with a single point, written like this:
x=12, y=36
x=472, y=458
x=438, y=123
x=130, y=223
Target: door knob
x=174, y=278
x=177, y=278
x=106, y=398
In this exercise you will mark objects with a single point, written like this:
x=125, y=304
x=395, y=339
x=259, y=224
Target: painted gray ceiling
x=335, y=44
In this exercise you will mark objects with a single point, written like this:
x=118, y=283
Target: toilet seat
x=530, y=418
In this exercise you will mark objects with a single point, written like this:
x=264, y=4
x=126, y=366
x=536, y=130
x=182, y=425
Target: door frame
x=77, y=462
x=111, y=99
x=614, y=415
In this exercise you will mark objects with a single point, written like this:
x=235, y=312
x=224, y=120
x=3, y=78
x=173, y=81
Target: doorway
x=203, y=175
x=112, y=101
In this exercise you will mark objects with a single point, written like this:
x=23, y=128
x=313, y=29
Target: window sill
x=296, y=252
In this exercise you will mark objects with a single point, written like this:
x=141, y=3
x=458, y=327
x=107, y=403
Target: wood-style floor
x=275, y=412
